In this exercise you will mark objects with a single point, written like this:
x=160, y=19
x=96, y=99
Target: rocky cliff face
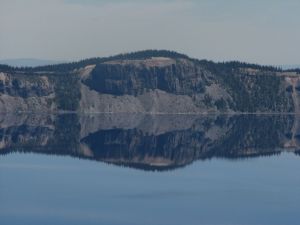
x=149, y=82
x=38, y=92
x=30, y=93
x=165, y=85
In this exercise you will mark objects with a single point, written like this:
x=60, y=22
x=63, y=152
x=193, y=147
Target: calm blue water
x=40, y=189
x=151, y=170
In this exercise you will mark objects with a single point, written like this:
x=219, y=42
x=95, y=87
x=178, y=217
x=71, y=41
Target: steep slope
x=149, y=82
x=155, y=85
x=180, y=85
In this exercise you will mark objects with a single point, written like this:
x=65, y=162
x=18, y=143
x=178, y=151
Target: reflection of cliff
x=53, y=134
x=205, y=137
x=149, y=142
x=24, y=132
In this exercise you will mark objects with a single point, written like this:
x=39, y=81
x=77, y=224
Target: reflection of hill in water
x=149, y=142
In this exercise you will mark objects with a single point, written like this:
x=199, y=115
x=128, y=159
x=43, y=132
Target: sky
x=256, y=31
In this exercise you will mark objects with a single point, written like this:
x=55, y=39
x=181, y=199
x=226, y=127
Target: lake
x=149, y=169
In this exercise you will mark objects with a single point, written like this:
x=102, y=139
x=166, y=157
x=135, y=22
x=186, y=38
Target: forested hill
x=64, y=67
x=151, y=81
x=213, y=66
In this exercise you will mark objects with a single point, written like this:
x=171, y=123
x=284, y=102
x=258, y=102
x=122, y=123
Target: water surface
x=141, y=169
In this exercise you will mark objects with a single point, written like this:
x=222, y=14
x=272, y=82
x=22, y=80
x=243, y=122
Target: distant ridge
x=289, y=67
x=29, y=62
x=143, y=54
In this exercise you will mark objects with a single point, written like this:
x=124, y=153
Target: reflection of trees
x=142, y=147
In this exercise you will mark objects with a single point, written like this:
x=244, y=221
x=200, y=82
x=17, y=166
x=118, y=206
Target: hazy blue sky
x=260, y=31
